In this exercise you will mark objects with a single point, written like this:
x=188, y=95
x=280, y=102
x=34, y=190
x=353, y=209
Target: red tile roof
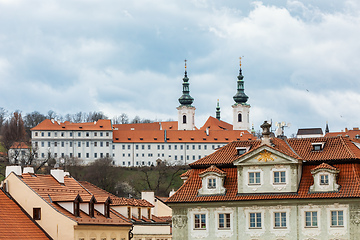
x=352, y=133
x=324, y=166
x=214, y=169
x=340, y=151
x=186, y=174
x=116, y=201
x=49, y=125
x=19, y=145
x=48, y=188
x=215, y=124
x=15, y=223
x=348, y=179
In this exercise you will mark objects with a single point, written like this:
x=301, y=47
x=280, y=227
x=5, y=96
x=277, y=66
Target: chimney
x=148, y=196
x=15, y=169
x=266, y=133
x=58, y=174
x=28, y=170
x=172, y=192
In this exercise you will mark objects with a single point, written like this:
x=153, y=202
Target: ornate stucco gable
x=324, y=178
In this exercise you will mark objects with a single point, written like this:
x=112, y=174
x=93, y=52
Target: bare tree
x=13, y=130
x=95, y=116
x=136, y=120
x=3, y=114
x=51, y=114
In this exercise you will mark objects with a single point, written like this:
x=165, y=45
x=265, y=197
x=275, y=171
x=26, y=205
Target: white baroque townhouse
x=272, y=188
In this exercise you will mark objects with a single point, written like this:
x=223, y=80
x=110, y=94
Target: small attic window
x=226, y=139
x=155, y=138
x=63, y=126
x=101, y=126
x=141, y=139
x=317, y=146
x=180, y=138
x=80, y=127
x=357, y=136
x=204, y=138
x=215, y=138
x=117, y=138
x=242, y=150
x=129, y=138
x=192, y=138
x=238, y=139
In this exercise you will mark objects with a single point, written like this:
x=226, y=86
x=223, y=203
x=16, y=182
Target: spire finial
x=240, y=97
x=186, y=99
x=240, y=60
x=185, y=63
x=218, y=110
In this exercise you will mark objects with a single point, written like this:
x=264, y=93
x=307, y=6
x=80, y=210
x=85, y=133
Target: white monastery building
x=143, y=144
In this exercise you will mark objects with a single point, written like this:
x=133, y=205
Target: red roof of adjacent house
x=352, y=133
x=116, y=201
x=19, y=145
x=186, y=174
x=15, y=223
x=51, y=191
x=338, y=150
x=215, y=124
x=51, y=125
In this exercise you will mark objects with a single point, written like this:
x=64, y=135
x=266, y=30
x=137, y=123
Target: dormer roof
x=212, y=169
x=324, y=166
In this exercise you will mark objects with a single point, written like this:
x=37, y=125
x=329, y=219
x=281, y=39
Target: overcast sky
x=301, y=58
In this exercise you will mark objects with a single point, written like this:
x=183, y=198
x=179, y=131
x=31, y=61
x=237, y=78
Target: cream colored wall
x=87, y=232
x=55, y=224
x=151, y=229
x=161, y=209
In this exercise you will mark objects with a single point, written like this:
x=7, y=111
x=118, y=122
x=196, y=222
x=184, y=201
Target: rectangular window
x=337, y=218
x=37, y=213
x=193, y=157
x=205, y=147
x=101, y=155
x=181, y=157
x=162, y=147
x=42, y=144
x=224, y=220
x=55, y=144
x=199, y=147
x=36, y=134
x=175, y=157
x=107, y=144
x=129, y=147
x=79, y=134
x=42, y=155
x=136, y=147
x=187, y=147
x=143, y=147
x=101, y=144
x=95, y=134
x=255, y=220
x=169, y=147
x=107, y=134
x=62, y=144
x=193, y=147
x=181, y=147
x=149, y=147
x=49, y=134
x=55, y=133
x=279, y=177
x=101, y=134
x=87, y=134
x=113, y=147
x=158, y=147
x=62, y=134
x=70, y=144
x=79, y=144
x=211, y=183
x=254, y=177
x=280, y=220
x=87, y=144
x=79, y=155
x=55, y=155
x=71, y=155
x=311, y=219
x=71, y=134
x=48, y=144
x=123, y=146
x=95, y=144
x=213, y=146
x=42, y=134
x=200, y=221
x=187, y=157
x=95, y=155
x=324, y=179
x=87, y=155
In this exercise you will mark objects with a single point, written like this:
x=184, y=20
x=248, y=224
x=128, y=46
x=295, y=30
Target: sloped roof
x=214, y=169
x=324, y=166
x=15, y=223
x=116, y=201
x=348, y=179
x=49, y=125
x=215, y=124
x=186, y=174
x=19, y=145
x=309, y=131
x=180, y=136
x=48, y=188
x=352, y=133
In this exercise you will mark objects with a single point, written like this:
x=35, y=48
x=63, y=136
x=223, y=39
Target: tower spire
x=240, y=97
x=218, y=110
x=186, y=99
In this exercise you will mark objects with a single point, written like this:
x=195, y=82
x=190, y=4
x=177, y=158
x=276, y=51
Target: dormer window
x=77, y=208
x=324, y=179
x=211, y=183
x=317, y=146
x=254, y=178
x=242, y=150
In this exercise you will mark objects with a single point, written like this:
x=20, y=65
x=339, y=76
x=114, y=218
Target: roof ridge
x=292, y=149
x=342, y=139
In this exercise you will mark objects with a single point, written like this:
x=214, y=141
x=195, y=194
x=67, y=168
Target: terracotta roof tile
x=186, y=174
x=19, y=145
x=48, y=188
x=47, y=125
x=214, y=169
x=324, y=166
x=15, y=224
x=215, y=124
x=348, y=179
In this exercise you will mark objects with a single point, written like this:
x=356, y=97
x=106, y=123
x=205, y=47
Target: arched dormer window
x=184, y=118
x=212, y=181
x=324, y=178
x=239, y=117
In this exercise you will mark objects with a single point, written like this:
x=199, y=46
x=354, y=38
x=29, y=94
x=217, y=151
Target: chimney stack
x=15, y=169
x=266, y=133
x=58, y=174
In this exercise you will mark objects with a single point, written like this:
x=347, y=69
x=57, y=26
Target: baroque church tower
x=241, y=110
x=186, y=112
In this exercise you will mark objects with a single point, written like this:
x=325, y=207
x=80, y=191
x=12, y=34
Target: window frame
x=199, y=221
x=337, y=218
x=257, y=216
x=324, y=181
x=254, y=178
x=280, y=177
x=36, y=213
x=281, y=222
x=226, y=221
x=211, y=183
x=311, y=219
